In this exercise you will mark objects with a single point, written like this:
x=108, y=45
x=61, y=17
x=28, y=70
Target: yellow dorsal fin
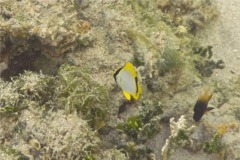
x=129, y=66
x=206, y=96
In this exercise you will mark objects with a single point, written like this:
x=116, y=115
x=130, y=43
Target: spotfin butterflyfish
x=126, y=78
x=201, y=105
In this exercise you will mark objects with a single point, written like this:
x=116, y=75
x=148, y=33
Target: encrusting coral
x=48, y=29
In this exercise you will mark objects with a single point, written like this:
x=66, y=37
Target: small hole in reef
x=31, y=57
x=17, y=66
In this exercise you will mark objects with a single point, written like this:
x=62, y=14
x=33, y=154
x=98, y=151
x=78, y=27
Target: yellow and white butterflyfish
x=126, y=78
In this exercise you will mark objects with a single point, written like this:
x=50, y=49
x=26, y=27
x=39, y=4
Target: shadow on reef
x=29, y=62
x=18, y=65
x=28, y=59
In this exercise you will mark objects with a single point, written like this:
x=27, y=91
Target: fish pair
x=126, y=78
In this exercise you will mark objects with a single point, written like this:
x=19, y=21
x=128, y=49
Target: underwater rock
x=231, y=145
x=49, y=28
x=3, y=66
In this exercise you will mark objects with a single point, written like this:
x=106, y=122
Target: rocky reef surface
x=58, y=98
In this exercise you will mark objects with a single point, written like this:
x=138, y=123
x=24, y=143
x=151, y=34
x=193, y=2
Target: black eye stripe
x=116, y=73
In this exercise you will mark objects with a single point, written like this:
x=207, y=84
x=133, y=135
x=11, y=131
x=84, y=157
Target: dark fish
x=201, y=106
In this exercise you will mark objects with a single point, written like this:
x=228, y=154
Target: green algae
x=139, y=129
x=215, y=145
x=145, y=125
x=132, y=126
x=14, y=153
x=28, y=90
x=237, y=114
x=182, y=136
x=89, y=157
x=76, y=91
x=171, y=57
x=150, y=109
x=72, y=89
x=203, y=62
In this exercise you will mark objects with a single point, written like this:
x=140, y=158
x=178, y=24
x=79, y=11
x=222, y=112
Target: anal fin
x=127, y=95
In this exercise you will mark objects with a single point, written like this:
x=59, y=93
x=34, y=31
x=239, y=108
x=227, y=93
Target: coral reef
x=179, y=136
x=140, y=128
x=50, y=122
x=193, y=14
x=163, y=42
x=57, y=136
x=74, y=90
x=222, y=138
x=54, y=135
x=76, y=112
x=28, y=90
x=9, y=154
x=231, y=145
x=46, y=29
